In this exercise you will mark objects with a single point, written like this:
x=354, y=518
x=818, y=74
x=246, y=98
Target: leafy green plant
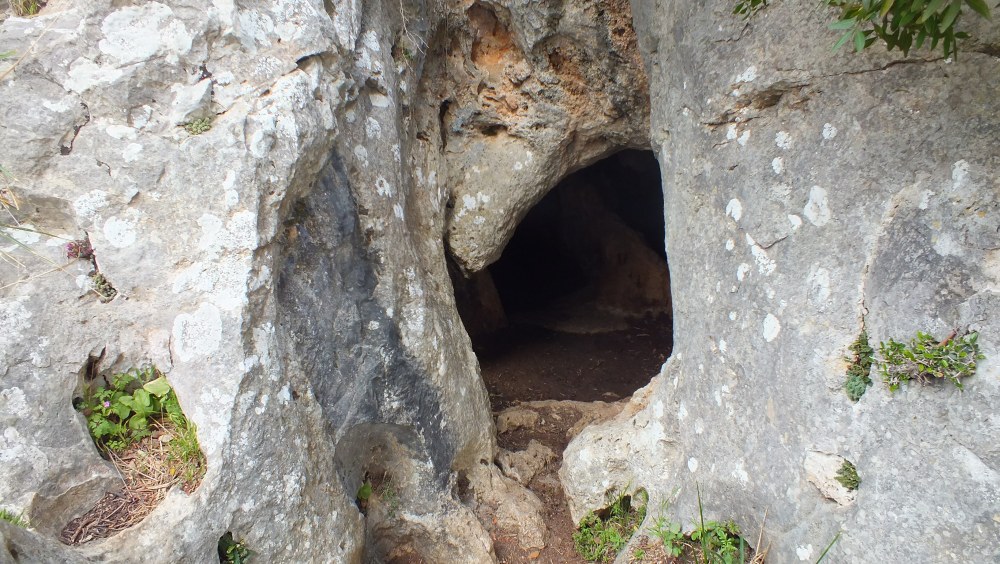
x=198, y=126
x=721, y=543
x=899, y=24
x=925, y=358
x=847, y=475
x=602, y=534
x=24, y=8
x=670, y=534
x=16, y=519
x=123, y=413
x=232, y=551
x=858, y=370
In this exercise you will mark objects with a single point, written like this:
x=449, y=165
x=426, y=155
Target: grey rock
x=523, y=465
x=811, y=195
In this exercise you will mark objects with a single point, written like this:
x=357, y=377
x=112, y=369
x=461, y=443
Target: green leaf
x=843, y=24
x=980, y=7
x=886, y=6
x=931, y=9
x=843, y=39
x=951, y=13
x=158, y=387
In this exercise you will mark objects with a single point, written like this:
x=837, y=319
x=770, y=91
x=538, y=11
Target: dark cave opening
x=578, y=305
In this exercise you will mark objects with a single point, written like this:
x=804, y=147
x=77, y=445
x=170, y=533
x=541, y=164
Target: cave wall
x=811, y=195
x=286, y=268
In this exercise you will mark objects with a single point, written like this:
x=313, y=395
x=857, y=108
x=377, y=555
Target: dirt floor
x=527, y=362
x=566, y=378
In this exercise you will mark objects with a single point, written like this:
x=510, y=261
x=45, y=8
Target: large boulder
x=282, y=269
x=810, y=196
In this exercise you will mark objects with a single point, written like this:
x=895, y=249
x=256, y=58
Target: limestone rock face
x=283, y=268
x=810, y=196
x=527, y=94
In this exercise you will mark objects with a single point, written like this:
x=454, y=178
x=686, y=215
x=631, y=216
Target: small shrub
x=858, y=378
x=925, y=359
x=24, y=8
x=231, y=551
x=848, y=476
x=16, y=519
x=899, y=24
x=670, y=534
x=601, y=535
x=198, y=126
x=105, y=291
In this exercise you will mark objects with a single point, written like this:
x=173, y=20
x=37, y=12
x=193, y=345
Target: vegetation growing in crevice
x=858, y=371
x=898, y=24
x=136, y=423
x=198, y=126
x=847, y=475
x=602, y=534
x=711, y=542
x=16, y=519
x=926, y=359
x=232, y=551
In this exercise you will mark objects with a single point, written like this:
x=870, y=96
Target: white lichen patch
x=959, y=173
x=749, y=75
x=734, y=209
x=14, y=321
x=783, y=140
x=730, y=245
x=770, y=328
x=742, y=270
x=373, y=130
x=925, y=199
x=795, y=220
x=778, y=165
x=383, y=188
x=765, y=265
x=122, y=232
x=817, y=209
x=829, y=131
x=85, y=74
x=137, y=33
x=804, y=552
x=199, y=334
x=361, y=154
x=693, y=464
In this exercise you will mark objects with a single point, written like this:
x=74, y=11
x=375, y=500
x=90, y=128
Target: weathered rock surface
x=811, y=195
x=282, y=268
x=287, y=268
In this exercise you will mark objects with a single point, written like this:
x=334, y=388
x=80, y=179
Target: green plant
x=639, y=554
x=184, y=454
x=198, y=126
x=105, y=291
x=858, y=370
x=233, y=552
x=24, y=8
x=602, y=534
x=925, y=358
x=847, y=475
x=827, y=549
x=388, y=495
x=721, y=543
x=16, y=519
x=4, y=55
x=122, y=414
x=899, y=24
x=670, y=534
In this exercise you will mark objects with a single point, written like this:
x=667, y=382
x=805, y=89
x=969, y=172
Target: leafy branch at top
x=899, y=24
x=925, y=359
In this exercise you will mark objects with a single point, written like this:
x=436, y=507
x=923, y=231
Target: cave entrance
x=578, y=305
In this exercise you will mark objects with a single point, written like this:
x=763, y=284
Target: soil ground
x=527, y=364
